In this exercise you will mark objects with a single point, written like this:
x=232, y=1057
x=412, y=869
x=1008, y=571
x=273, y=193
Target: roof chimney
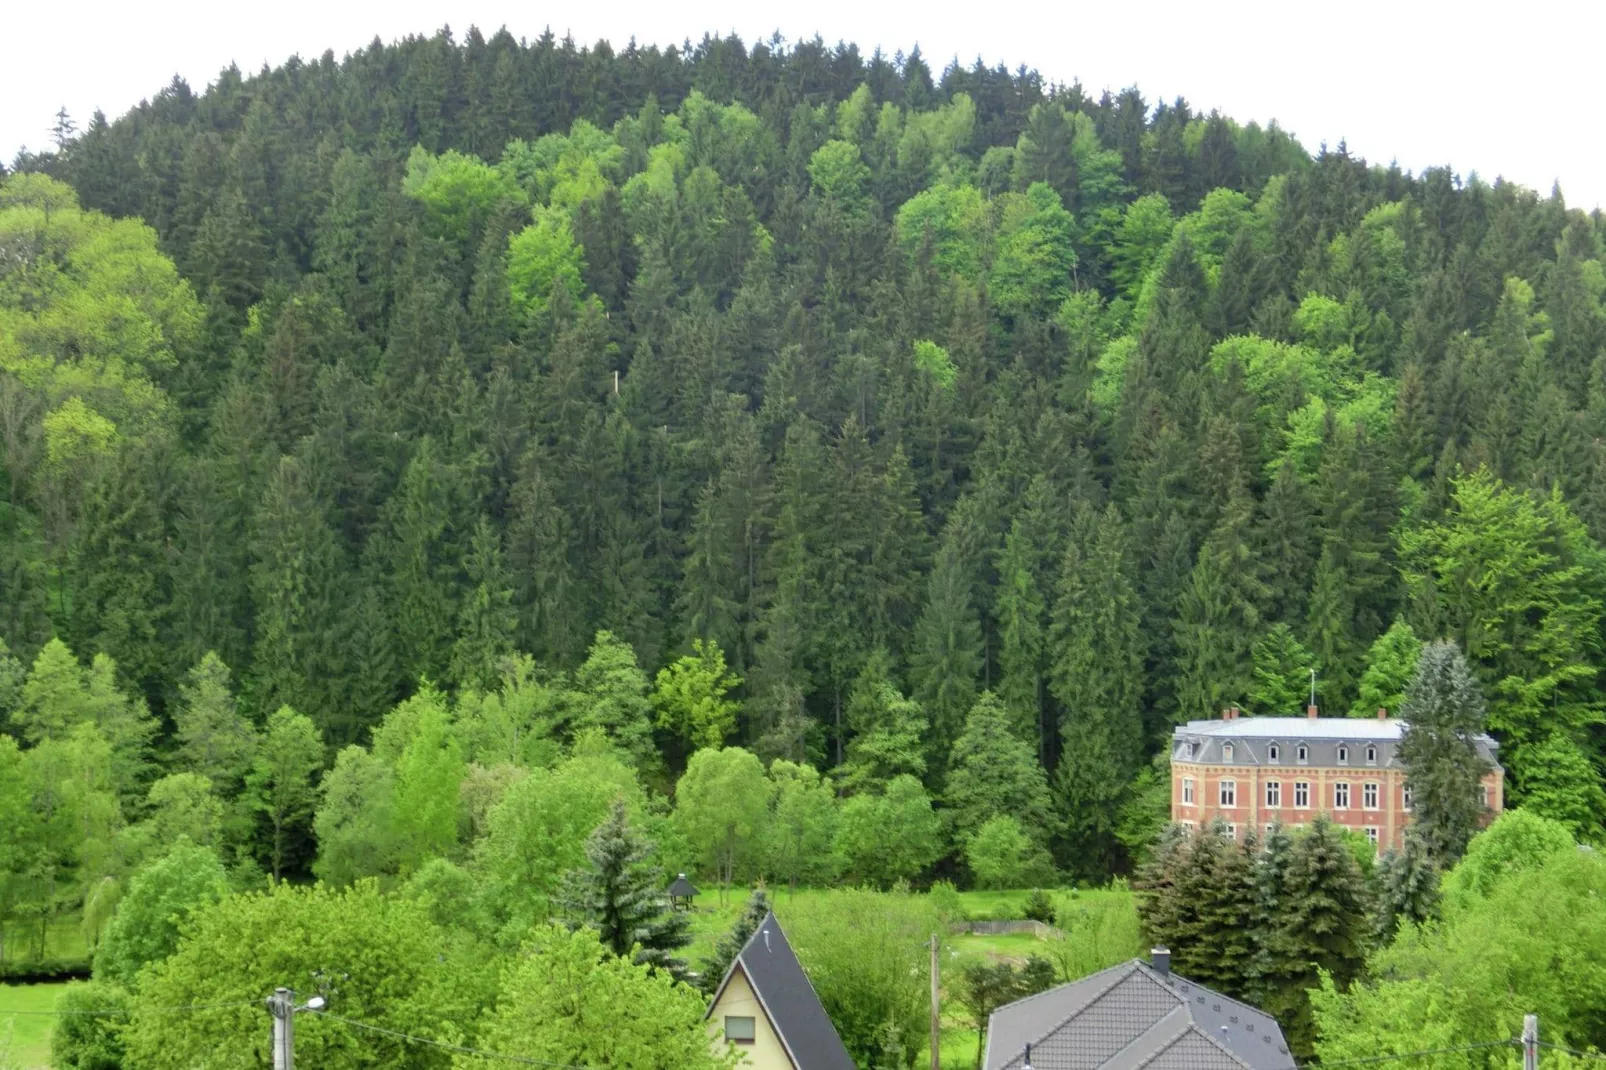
x=1382, y=713
x=1160, y=961
x=1236, y=713
x=1310, y=711
x=1226, y=713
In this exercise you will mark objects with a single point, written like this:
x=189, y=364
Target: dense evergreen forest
x=885, y=422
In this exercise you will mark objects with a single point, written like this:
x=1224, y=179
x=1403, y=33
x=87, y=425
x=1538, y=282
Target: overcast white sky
x=1511, y=89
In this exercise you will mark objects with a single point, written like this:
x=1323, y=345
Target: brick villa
x=1252, y=772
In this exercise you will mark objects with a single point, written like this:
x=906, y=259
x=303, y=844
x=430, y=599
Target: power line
x=1572, y=1051
x=447, y=1047
x=1370, y=1059
x=141, y=1010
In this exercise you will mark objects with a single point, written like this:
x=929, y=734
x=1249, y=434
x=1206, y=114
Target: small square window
x=739, y=1030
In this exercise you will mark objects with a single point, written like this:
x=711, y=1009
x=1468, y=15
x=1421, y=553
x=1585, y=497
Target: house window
x=1301, y=795
x=1270, y=829
x=1341, y=796
x=1371, y=834
x=1226, y=752
x=738, y=1030
x=1228, y=792
x=1483, y=796
x=1371, y=755
x=1274, y=794
x=1193, y=750
x=1187, y=791
x=1232, y=831
x=1343, y=755
x=1369, y=795
x=1274, y=753
x=1405, y=797
x=1302, y=754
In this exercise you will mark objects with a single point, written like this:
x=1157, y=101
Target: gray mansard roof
x=1252, y=737
x=1133, y=1017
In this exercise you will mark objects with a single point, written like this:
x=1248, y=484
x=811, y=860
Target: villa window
x=1226, y=752
x=1371, y=755
x=1302, y=754
x=1187, y=791
x=1340, y=796
x=1343, y=755
x=1232, y=831
x=1371, y=834
x=1274, y=753
x=1369, y=795
x=1274, y=794
x=739, y=1030
x=1228, y=792
x=1302, y=795
x=1483, y=796
x=1405, y=797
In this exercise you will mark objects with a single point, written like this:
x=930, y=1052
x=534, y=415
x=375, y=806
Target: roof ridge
x=1220, y=995
x=1127, y=969
x=1193, y=1027
x=1049, y=991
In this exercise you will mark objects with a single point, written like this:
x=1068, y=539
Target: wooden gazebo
x=681, y=893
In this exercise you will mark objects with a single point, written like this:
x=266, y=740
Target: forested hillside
x=827, y=392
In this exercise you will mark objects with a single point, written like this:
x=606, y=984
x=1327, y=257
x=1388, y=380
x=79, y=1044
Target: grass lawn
x=64, y=939
x=25, y=1038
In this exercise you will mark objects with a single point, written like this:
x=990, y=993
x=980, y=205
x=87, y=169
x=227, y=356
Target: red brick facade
x=1367, y=798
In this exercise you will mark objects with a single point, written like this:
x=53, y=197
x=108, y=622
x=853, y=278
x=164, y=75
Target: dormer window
x=1302, y=754
x=1274, y=753
x=1193, y=750
x=1343, y=754
x=1226, y=752
x=1371, y=755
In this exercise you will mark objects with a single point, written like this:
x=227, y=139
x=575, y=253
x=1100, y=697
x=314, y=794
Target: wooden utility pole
x=936, y=1007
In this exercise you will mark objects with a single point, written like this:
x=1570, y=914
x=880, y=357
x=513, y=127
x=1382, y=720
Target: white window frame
x=1232, y=831
x=1371, y=754
x=1405, y=797
x=1302, y=754
x=1274, y=794
x=1301, y=795
x=1343, y=754
x=1370, y=794
x=1227, y=793
x=1187, y=791
x=1483, y=796
x=1371, y=834
x=752, y=1028
x=1226, y=752
x=1340, y=795
x=1274, y=753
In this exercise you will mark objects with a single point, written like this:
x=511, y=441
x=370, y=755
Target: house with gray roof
x=1251, y=773
x=1135, y=1016
x=766, y=1008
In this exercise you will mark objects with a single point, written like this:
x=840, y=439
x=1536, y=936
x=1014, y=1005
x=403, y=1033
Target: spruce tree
x=620, y=893
x=1443, y=711
x=728, y=946
x=1325, y=926
x=1407, y=889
